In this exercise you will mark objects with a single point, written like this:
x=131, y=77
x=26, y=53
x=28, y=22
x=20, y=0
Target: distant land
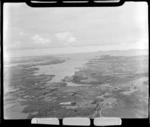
x=44, y=52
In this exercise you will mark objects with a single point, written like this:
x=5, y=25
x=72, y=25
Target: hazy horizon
x=43, y=52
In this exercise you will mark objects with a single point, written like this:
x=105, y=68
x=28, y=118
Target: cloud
x=123, y=43
x=40, y=40
x=16, y=44
x=22, y=33
x=71, y=39
x=137, y=44
x=142, y=44
x=62, y=36
x=66, y=38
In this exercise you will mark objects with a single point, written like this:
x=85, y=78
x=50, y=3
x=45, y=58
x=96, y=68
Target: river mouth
x=34, y=71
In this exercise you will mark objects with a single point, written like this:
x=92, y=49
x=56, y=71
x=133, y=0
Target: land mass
x=106, y=85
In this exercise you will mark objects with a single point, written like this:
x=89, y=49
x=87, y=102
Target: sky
x=102, y=28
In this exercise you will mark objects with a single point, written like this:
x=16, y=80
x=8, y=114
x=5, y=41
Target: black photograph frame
x=125, y=122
